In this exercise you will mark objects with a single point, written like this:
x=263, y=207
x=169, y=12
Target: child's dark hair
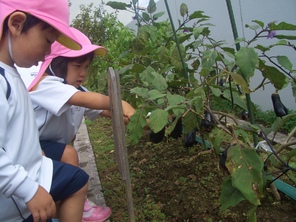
x=58, y=66
x=29, y=23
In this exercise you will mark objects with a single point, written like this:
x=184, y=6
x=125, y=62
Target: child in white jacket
x=31, y=184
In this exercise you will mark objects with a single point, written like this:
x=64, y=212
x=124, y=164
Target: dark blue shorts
x=67, y=179
x=52, y=149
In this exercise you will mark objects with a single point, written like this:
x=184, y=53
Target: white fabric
x=22, y=166
x=56, y=120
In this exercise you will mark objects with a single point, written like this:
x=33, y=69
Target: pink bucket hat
x=60, y=50
x=53, y=12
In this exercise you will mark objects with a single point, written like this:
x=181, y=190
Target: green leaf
x=118, y=5
x=277, y=78
x=263, y=48
x=246, y=167
x=155, y=94
x=230, y=196
x=197, y=31
x=237, y=100
x=158, y=15
x=279, y=122
x=136, y=125
x=209, y=59
x=189, y=122
x=239, y=80
x=198, y=14
x=282, y=26
x=175, y=99
x=216, y=137
x=153, y=79
x=142, y=92
x=151, y=8
x=146, y=16
x=163, y=54
x=285, y=62
x=158, y=120
x=259, y=23
x=289, y=37
x=216, y=91
x=293, y=84
x=246, y=60
x=177, y=109
x=183, y=9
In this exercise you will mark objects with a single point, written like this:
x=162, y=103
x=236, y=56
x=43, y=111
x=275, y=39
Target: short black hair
x=59, y=65
x=29, y=23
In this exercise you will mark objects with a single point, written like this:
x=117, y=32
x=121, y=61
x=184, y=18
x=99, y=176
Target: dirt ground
x=173, y=183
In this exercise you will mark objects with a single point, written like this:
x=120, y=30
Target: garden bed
x=172, y=183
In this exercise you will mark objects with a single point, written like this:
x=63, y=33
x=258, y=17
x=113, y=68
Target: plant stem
x=176, y=40
x=248, y=97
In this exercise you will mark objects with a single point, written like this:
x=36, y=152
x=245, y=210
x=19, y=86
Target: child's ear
x=16, y=22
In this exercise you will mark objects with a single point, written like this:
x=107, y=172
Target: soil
x=171, y=182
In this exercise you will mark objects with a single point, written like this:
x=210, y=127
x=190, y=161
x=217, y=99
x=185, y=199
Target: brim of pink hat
x=98, y=51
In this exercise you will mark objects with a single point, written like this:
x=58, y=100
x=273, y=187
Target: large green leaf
x=277, y=78
x=136, y=125
x=158, y=120
x=153, y=79
x=230, y=196
x=246, y=167
x=246, y=60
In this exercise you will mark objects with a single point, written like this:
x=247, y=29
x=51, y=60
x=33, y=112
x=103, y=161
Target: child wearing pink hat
x=30, y=183
x=60, y=103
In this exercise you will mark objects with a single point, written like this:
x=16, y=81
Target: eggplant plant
x=158, y=81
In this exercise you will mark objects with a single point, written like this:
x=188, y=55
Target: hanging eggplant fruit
x=279, y=109
x=190, y=138
x=157, y=137
x=245, y=115
x=177, y=132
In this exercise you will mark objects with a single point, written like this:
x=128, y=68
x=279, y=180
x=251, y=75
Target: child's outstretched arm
x=99, y=101
x=128, y=111
x=90, y=100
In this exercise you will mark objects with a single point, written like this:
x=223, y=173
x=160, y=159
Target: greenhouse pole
x=248, y=97
x=176, y=40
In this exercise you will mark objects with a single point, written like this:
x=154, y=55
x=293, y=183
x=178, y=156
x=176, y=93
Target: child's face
x=77, y=72
x=31, y=47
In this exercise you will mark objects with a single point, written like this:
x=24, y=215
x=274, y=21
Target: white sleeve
x=52, y=94
x=91, y=114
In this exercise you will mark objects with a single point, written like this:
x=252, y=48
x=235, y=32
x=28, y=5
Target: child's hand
x=128, y=111
x=42, y=205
